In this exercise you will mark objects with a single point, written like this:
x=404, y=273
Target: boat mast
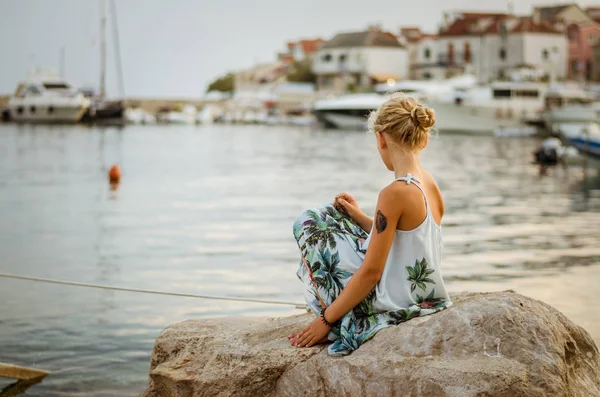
x=102, y=49
x=117, y=47
x=61, y=65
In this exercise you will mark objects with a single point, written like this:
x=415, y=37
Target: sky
x=175, y=48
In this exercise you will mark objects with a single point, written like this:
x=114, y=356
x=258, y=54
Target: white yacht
x=47, y=100
x=459, y=105
x=351, y=111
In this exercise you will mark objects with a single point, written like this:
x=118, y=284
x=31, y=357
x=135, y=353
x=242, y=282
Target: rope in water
x=147, y=291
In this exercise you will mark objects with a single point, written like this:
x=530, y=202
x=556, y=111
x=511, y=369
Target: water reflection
x=208, y=210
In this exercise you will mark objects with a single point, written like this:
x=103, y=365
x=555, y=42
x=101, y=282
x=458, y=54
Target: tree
x=223, y=84
x=301, y=71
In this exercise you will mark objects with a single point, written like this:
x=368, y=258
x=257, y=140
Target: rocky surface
x=494, y=344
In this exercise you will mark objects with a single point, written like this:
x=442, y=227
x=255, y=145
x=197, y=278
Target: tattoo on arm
x=380, y=222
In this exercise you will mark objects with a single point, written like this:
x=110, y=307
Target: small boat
x=187, y=115
x=209, y=114
x=47, y=100
x=139, y=116
x=585, y=137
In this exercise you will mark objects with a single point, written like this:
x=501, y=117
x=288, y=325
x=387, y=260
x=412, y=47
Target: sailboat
x=103, y=110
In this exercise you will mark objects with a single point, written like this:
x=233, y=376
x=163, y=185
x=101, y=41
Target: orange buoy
x=114, y=174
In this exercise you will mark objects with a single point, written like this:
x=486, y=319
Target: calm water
x=208, y=210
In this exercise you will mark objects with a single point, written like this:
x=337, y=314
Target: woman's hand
x=313, y=333
x=348, y=204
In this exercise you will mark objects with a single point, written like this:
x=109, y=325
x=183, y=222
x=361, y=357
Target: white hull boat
x=47, y=101
x=350, y=112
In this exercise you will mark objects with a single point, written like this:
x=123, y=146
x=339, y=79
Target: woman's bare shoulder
x=432, y=186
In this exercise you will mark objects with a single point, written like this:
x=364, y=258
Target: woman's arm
x=387, y=214
x=369, y=273
x=364, y=221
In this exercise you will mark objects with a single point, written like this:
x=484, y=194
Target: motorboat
x=585, y=137
x=347, y=112
x=460, y=106
x=139, y=116
x=570, y=104
x=187, y=115
x=47, y=100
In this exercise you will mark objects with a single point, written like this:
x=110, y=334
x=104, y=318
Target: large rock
x=495, y=344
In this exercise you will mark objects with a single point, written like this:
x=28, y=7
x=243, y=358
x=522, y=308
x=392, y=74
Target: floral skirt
x=331, y=245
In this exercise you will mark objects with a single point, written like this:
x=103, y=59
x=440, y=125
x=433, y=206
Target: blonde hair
x=403, y=119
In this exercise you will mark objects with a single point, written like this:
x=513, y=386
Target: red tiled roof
x=410, y=30
x=463, y=25
x=310, y=46
x=528, y=25
x=414, y=34
x=594, y=13
x=468, y=24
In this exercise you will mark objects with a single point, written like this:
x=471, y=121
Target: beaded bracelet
x=327, y=323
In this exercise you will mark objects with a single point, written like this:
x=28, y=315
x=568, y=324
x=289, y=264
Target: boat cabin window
x=30, y=90
x=508, y=93
x=527, y=93
x=56, y=86
x=502, y=93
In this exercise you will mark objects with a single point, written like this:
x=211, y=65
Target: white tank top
x=412, y=269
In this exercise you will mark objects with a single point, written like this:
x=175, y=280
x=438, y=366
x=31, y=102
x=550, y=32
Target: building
x=566, y=13
x=582, y=36
x=493, y=45
x=595, y=64
x=304, y=49
x=358, y=60
x=301, y=50
x=422, y=54
x=582, y=30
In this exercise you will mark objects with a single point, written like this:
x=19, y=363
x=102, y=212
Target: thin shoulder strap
x=409, y=178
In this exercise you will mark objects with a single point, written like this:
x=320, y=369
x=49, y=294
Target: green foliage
x=301, y=71
x=223, y=84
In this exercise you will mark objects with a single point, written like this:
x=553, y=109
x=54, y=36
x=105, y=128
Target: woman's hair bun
x=423, y=117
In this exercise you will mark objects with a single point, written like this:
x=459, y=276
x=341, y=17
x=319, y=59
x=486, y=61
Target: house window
x=545, y=54
x=342, y=58
x=427, y=53
x=572, y=34
x=450, y=53
x=502, y=53
x=592, y=39
x=467, y=52
x=326, y=58
x=427, y=76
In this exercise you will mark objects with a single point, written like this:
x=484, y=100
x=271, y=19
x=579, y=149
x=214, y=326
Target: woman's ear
x=381, y=140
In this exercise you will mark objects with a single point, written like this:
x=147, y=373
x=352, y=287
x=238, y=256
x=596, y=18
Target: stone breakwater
x=493, y=344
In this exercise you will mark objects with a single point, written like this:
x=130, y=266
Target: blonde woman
x=362, y=274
